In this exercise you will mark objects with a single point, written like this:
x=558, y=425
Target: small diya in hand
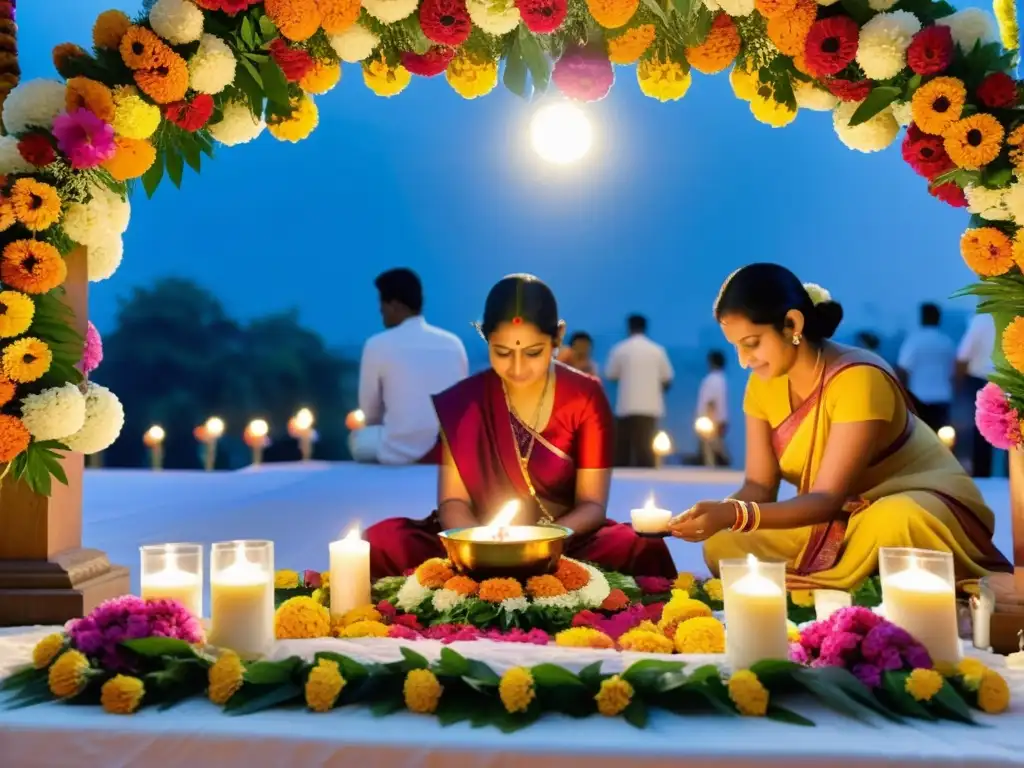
x=503, y=550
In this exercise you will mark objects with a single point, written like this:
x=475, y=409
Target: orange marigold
x=14, y=437
x=338, y=15
x=498, y=590
x=800, y=62
x=628, y=47
x=321, y=78
x=974, y=141
x=789, y=30
x=1013, y=343
x=612, y=14
x=26, y=359
x=583, y=637
x=616, y=601
x=772, y=8
x=109, y=28
x=7, y=390
x=32, y=266
x=719, y=48
x=463, y=585
x=35, y=204
x=572, y=575
x=141, y=48
x=544, y=586
x=434, y=573
x=132, y=158
x=1015, y=140
x=987, y=251
x=6, y=214
x=64, y=55
x=167, y=82
x=83, y=93
x=297, y=20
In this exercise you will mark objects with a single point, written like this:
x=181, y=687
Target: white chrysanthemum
x=411, y=594
x=355, y=43
x=33, y=104
x=446, y=599
x=903, y=113
x=1013, y=199
x=514, y=604
x=211, y=68
x=238, y=125
x=990, y=204
x=810, y=96
x=712, y=5
x=596, y=590
x=119, y=210
x=390, y=11
x=11, y=160
x=881, y=5
x=968, y=27
x=176, y=21
x=872, y=136
x=54, y=413
x=105, y=215
x=818, y=294
x=882, y=46
x=568, y=600
x=737, y=7
x=104, y=257
x=104, y=418
x=495, y=17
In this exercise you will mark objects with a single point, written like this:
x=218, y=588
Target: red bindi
x=517, y=320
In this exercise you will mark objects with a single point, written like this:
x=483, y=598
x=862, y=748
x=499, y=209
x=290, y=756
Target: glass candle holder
x=173, y=572
x=755, y=611
x=828, y=601
x=242, y=597
x=919, y=595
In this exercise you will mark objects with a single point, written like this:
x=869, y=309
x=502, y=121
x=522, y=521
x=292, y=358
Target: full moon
x=561, y=133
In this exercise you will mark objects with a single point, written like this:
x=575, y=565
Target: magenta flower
x=868, y=674
x=386, y=610
x=84, y=138
x=407, y=620
x=312, y=579
x=399, y=632
x=996, y=420
x=92, y=352
x=654, y=585
x=584, y=74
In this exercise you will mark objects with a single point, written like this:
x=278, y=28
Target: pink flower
x=868, y=674
x=586, y=619
x=532, y=637
x=798, y=654
x=311, y=579
x=399, y=632
x=386, y=610
x=654, y=585
x=407, y=620
x=84, y=138
x=996, y=420
x=92, y=352
x=584, y=74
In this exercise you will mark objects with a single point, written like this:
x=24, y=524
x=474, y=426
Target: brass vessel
x=528, y=550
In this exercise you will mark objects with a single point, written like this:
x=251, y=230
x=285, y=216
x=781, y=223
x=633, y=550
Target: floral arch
x=157, y=92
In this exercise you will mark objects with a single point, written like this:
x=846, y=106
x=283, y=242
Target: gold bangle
x=742, y=515
x=755, y=521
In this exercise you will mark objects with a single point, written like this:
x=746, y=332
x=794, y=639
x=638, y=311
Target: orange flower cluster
x=1015, y=141
x=771, y=9
x=83, y=93
x=616, y=601
x=132, y=158
x=142, y=48
x=1013, y=344
x=159, y=72
x=789, y=30
x=434, y=573
x=14, y=437
x=612, y=14
x=719, y=48
x=974, y=141
x=297, y=20
x=572, y=575
x=32, y=266
x=544, y=586
x=64, y=54
x=499, y=590
x=35, y=204
x=109, y=28
x=628, y=47
x=7, y=390
x=463, y=585
x=338, y=15
x=987, y=251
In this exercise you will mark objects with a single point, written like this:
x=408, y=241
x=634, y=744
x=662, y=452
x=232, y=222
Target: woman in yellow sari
x=834, y=422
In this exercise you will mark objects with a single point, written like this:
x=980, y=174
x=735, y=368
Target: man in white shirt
x=643, y=372
x=713, y=404
x=973, y=367
x=400, y=369
x=925, y=364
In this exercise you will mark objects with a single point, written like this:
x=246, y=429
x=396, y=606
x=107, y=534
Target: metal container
x=529, y=550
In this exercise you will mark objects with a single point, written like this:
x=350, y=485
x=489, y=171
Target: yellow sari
x=913, y=494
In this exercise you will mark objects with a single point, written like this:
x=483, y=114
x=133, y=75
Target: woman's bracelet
x=742, y=515
x=755, y=519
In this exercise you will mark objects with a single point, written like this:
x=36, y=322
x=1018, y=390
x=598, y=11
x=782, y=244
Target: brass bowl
x=531, y=550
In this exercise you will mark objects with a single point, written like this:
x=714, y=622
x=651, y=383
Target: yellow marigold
x=299, y=124
x=544, y=586
x=583, y=637
x=324, y=685
x=6, y=214
x=142, y=48
x=384, y=80
x=65, y=54
x=772, y=8
x=516, y=689
x=132, y=158
x=662, y=80
x=26, y=360
x=628, y=47
x=322, y=77
x=615, y=695
x=612, y=14
x=945, y=668
x=676, y=611
x=286, y=579
x=767, y=110
x=789, y=30
x=463, y=585
x=974, y=141
x=471, y=74
x=792, y=632
x=803, y=598
x=109, y=28
x=325, y=579
x=422, y=691
x=16, y=313
x=572, y=575
x=1012, y=342
x=1015, y=140
x=299, y=618
x=993, y=693
x=338, y=15
x=923, y=684
x=938, y=104
x=647, y=626
x=46, y=650
x=134, y=117
x=363, y=629
x=297, y=20
x=713, y=589
x=684, y=583
x=362, y=613
x=971, y=672
x=68, y=675
x=719, y=48
x=645, y=641
x=35, y=204
x=165, y=83
x=122, y=694
x=433, y=573
x=83, y=93
x=987, y=251
x=32, y=266
x=703, y=634
x=748, y=694
x=225, y=677
x=497, y=590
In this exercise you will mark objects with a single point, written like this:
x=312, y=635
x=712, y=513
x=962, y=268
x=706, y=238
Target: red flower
x=949, y=193
x=312, y=579
x=294, y=62
x=831, y=45
x=230, y=7
x=190, y=115
x=542, y=16
x=36, y=149
x=407, y=620
x=445, y=21
x=386, y=610
x=848, y=90
x=433, y=62
x=925, y=153
x=931, y=50
x=586, y=618
x=998, y=90
x=615, y=601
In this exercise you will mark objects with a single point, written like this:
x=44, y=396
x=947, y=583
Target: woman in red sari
x=528, y=428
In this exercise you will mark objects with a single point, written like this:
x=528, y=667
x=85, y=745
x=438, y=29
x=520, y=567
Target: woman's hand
x=703, y=520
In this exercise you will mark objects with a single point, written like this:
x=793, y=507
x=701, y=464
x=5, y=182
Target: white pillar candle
x=242, y=597
x=173, y=572
x=828, y=601
x=650, y=519
x=921, y=601
x=755, y=611
x=350, y=573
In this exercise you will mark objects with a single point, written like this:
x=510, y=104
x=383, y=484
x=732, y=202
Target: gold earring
x=796, y=339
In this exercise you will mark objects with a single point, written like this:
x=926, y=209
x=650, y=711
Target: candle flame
x=662, y=444
x=704, y=426
x=497, y=529
x=752, y=562
x=649, y=504
x=353, y=535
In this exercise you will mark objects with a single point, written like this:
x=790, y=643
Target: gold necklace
x=531, y=426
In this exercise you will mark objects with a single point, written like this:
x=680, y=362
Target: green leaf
x=456, y=709
x=387, y=706
x=267, y=28
x=481, y=676
x=655, y=7
x=273, y=672
x=21, y=678
x=783, y=715
x=535, y=58
x=636, y=713
x=683, y=7
x=266, y=697
x=190, y=151
x=515, y=75
x=858, y=10
x=775, y=673
x=275, y=85
x=644, y=675
x=175, y=165
x=879, y=98
x=247, y=32
x=553, y=676
x=154, y=174
x=155, y=647
x=829, y=686
x=951, y=704
x=413, y=660
x=452, y=663
x=894, y=684
x=591, y=675
x=350, y=669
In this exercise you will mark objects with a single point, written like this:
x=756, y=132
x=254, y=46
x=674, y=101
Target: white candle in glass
x=242, y=597
x=173, y=572
x=350, y=573
x=828, y=601
x=650, y=519
x=755, y=611
x=919, y=595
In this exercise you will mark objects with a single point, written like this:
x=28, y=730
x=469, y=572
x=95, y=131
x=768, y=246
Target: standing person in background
x=973, y=367
x=925, y=366
x=712, y=403
x=578, y=353
x=868, y=340
x=644, y=373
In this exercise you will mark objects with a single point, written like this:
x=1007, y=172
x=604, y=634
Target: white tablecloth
x=196, y=734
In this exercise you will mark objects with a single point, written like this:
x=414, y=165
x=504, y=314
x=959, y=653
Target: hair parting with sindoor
x=521, y=299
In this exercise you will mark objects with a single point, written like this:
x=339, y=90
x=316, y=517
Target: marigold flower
x=83, y=93
x=1012, y=344
x=300, y=618
x=923, y=684
x=338, y=15
x=142, y=48
x=792, y=632
x=572, y=575
x=628, y=47
x=719, y=48
x=324, y=685
x=663, y=80
x=498, y=590
x=6, y=213
x=362, y=613
x=32, y=266
x=363, y=629
x=684, y=582
x=433, y=573
x=110, y=28
x=987, y=251
x=472, y=74
x=583, y=637
x=713, y=589
x=297, y=20
x=134, y=117
x=225, y=677
x=516, y=689
x=614, y=696
x=46, y=650
x=744, y=82
x=299, y=124
x=463, y=585
x=702, y=634
x=612, y=14
x=803, y=598
x=971, y=670
x=16, y=313
x=68, y=675
x=64, y=55
x=14, y=436
x=1015, y=140
x=748, y=693
x=286, y=579
x=789, y=31
x=937, y=104
x=993, y=693
x=132, y=158
x=773, y=8
x=35, y=204
x=616, y=600
x=322, y=77
x=544, y=586
x=122, y=694
x=974, y=141
x=422, y=691
x=165, y=83
x=677, y=611
x=645, y=641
